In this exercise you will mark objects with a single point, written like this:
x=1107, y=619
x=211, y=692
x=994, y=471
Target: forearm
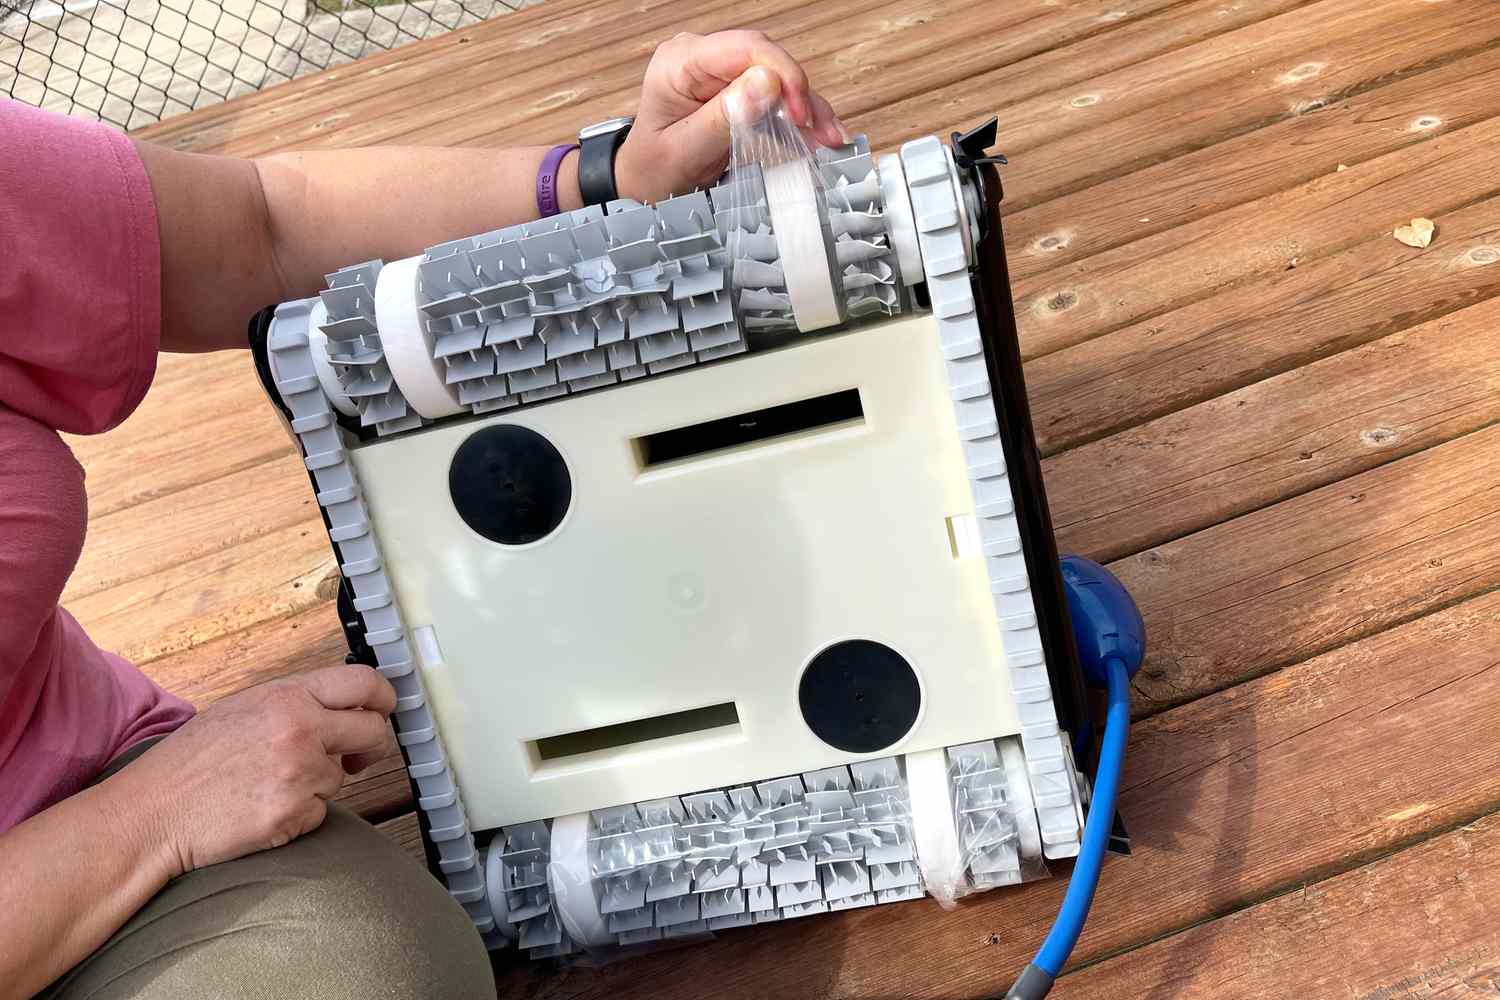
x=238, y=235
x=327, y=209
x=70, y=876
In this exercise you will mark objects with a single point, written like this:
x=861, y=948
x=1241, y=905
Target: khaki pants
x=340, y=914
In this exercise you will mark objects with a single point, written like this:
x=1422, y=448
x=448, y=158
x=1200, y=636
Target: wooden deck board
x=1435, y=903
x=1240, y=451
x=1276, y=422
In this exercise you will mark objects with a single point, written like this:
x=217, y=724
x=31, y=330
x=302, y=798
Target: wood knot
x=1378, y=436
x=327, y=587
x=1053, y=241
x=1484, y=255
x=1304, y=71
x=1062, y=301
x=1085, y=101
x=1425, y=123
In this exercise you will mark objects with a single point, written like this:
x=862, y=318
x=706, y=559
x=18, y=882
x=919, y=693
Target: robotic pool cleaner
x=699, y=618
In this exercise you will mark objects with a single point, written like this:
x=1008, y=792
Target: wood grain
x=1151, y=276
x=1125, y=208
x=1289, y=581
x=204, y=417
x=1280, y=437
x=157, y=535
x=1185, y=99
x=376, y=793
x=558, y=92
x=1269, y=324
x=885, y=63
x=1418, y=923
x=264, y=579
x=1241, y=795
x=892, y=55
x=218, y=667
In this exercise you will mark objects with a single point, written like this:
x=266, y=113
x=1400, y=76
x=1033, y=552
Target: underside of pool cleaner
x=706, y=547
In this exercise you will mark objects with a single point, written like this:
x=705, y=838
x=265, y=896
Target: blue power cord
x=1111, y=644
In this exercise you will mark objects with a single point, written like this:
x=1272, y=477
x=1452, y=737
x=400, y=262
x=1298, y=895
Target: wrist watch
x=597, y=146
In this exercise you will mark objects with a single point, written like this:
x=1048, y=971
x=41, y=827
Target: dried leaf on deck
x=1417, y=233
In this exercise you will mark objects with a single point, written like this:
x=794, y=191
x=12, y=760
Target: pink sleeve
x=80, y=271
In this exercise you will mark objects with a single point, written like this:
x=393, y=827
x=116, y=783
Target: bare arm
x=238, y=235
x=52, y=868
x=253, y=772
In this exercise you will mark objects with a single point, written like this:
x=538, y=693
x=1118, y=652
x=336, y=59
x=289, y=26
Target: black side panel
x=1002, y=349
x=350, y=620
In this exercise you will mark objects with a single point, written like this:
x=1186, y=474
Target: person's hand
x=256, y=770
x=694, y=84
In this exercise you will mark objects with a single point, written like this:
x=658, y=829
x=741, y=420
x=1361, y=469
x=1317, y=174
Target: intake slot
x=834, y=410
x=625, y=735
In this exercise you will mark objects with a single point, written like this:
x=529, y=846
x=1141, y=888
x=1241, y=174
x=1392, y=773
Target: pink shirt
x=80, y=316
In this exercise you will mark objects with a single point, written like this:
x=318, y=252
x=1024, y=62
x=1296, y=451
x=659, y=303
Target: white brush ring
x=317, y=343
x=799, y=218
x=408, y=346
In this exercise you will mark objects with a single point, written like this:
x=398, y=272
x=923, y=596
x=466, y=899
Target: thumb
x=744, y=102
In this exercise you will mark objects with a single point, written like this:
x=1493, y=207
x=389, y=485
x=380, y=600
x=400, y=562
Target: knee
x=387, y=927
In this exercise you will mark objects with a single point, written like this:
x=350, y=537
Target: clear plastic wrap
x=973, y=818
x=999, y=840
x=677, y=868
x=774, y=214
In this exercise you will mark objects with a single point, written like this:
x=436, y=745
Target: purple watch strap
x=546, y=179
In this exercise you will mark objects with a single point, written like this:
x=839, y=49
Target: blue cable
x=1037, y=978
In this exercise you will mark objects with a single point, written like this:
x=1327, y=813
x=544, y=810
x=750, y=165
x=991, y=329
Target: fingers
x=328, y=779
x=826, y=127
x=349, y=686
x=745, y=101
x=353, y=731
x=709, y=62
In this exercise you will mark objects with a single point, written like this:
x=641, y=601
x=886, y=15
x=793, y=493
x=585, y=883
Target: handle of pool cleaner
x=1110, y=636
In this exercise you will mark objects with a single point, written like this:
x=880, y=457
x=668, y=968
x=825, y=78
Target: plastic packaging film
x=786, y=271
x=945, y=823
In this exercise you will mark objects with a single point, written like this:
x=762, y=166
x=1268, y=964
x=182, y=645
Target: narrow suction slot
x=625, y=735
x=835, y=410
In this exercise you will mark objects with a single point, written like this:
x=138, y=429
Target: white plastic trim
x=317, y=342
x=898, y=219
x=574, y=891
x=799, y=220
x=408, y=346
x=1018, y=787
x=939, y=855
x=943, y=233
x=494, y=884
x=294, y=373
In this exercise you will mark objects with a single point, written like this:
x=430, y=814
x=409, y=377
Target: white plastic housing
x=701, y=581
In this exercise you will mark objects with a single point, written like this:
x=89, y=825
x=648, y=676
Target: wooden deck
x=1276, y=423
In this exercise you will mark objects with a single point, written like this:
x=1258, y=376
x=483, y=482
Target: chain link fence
x=133, y=62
